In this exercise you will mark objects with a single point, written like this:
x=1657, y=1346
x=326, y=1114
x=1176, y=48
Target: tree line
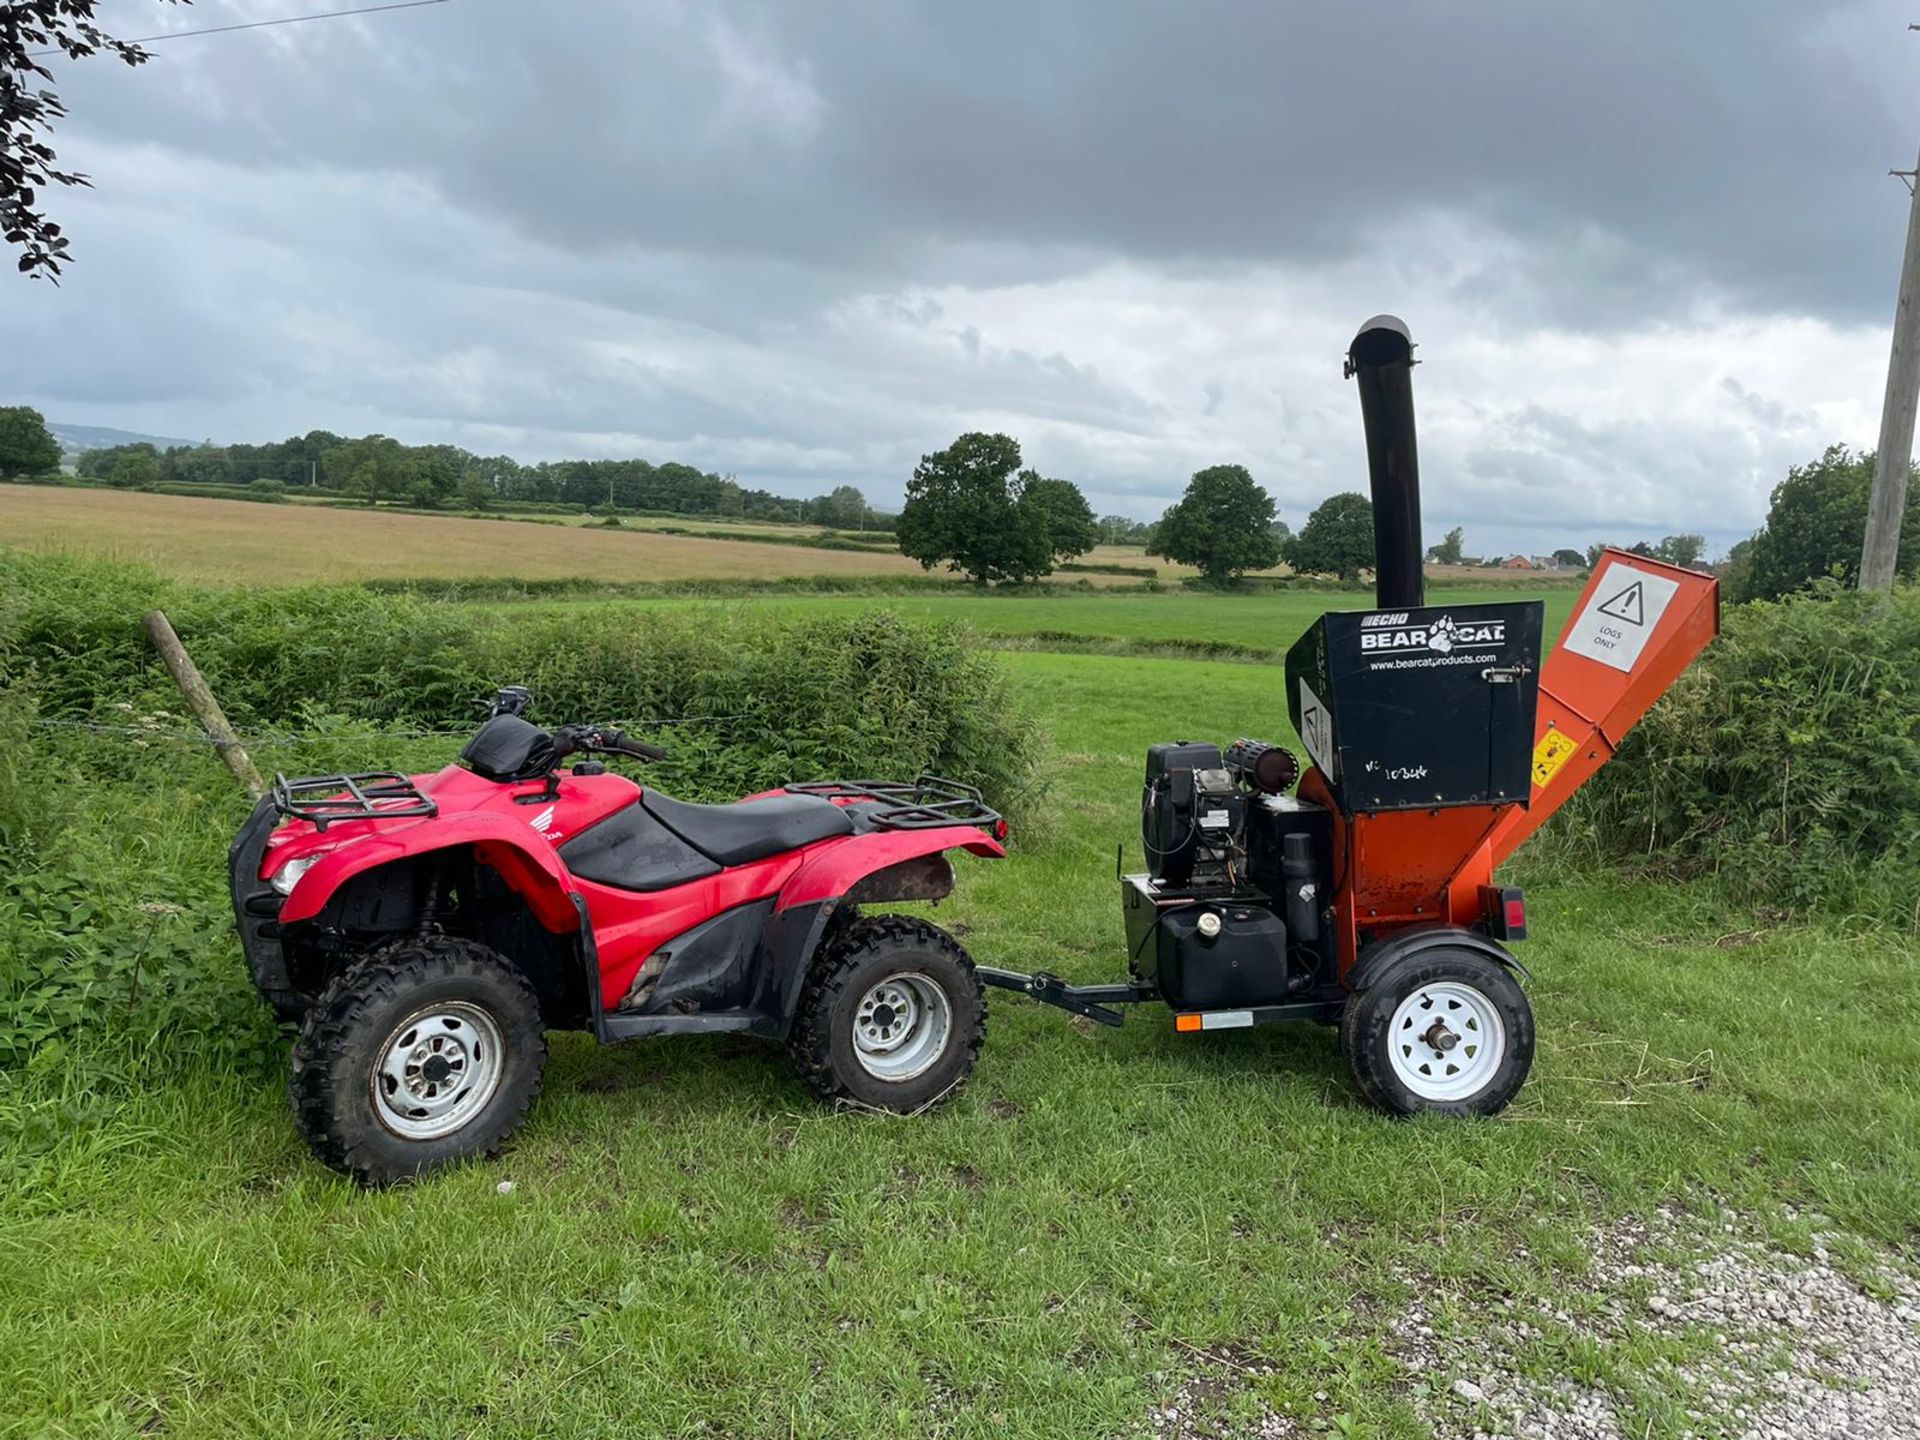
x=973, y=506
x=381, y=469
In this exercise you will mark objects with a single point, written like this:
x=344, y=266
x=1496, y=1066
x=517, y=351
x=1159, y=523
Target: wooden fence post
x=200, y=700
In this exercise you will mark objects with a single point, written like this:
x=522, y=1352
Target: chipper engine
x=1362, y=893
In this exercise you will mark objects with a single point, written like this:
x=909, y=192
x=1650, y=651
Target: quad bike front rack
x=371, y=795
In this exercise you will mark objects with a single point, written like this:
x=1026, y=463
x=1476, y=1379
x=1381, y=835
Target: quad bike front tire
x=1446, y=1030
x=424, y=1053
x=891, y=1016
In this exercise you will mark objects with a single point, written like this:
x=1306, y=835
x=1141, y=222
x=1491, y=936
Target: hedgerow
x=1786, y=761
x=114, y=816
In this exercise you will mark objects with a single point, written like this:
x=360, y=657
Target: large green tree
x=1337, y=538
x=203, y=465
x=135, y=467
x=1682, y=550
x=1223, y=526
x=1816, y=525
x=844, y=509
x=971, y=507
x=1449, y=550
x=27, y=447
x=1062, y=510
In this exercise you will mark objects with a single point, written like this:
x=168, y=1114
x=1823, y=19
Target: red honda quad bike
x=427, y=931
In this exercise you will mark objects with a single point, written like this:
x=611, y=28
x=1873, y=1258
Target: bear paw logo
x=1440, y=637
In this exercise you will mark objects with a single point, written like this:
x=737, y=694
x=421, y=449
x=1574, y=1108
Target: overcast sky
x=1648, y=250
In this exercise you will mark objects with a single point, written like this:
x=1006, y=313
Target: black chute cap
x=1381, y=358
x=1381, y=341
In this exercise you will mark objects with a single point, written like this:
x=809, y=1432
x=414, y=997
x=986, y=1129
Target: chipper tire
x=891, y=1016
x=424, y=1053
x=1446, y=1031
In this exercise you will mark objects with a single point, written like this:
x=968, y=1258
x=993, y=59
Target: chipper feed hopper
x=1438, y=739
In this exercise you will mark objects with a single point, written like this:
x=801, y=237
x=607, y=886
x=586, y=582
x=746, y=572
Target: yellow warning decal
x=1556, y=747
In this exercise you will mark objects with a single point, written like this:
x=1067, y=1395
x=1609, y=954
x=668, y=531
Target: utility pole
x=1887, y=507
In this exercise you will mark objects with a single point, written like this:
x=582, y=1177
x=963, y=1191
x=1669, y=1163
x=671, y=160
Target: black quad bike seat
x=750, y=829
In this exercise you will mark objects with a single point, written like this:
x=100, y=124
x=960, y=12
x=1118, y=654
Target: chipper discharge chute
x=1438, y=739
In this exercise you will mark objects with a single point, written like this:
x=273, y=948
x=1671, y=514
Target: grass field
x=1256, y=625
x=228, y=541
x=237, y=541
x=1101, y=1220
x=224, y=541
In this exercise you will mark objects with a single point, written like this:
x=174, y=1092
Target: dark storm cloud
x=1645, y=245
x=1646, y=152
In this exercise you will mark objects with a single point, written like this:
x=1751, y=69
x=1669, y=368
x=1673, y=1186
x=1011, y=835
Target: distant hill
x=75, y=439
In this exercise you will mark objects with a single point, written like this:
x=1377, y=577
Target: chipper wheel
x=1446, y=1029
x=891, y=1016
x=425, y=1052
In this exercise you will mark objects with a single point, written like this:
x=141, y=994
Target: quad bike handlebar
x=594, y=740
x=510, y=747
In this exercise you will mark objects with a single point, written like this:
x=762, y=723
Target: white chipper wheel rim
x=1446, y=1042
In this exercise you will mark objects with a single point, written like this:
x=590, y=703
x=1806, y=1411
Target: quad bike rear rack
x=371, y=795
x=927, y=803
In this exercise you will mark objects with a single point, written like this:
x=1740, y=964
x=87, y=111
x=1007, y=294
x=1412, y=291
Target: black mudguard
x=256, y=907
x=1381, y=956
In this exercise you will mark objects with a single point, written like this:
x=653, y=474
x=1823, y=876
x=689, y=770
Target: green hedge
x=115, y=937
x=822, y=695
x=1786, y=761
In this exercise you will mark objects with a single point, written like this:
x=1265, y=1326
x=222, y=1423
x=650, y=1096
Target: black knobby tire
x=357, y=1020
x=850, y=965
x=1438, y=984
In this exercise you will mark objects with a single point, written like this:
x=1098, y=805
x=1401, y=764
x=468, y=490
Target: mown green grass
x=1257, y=623
x=693, y=1247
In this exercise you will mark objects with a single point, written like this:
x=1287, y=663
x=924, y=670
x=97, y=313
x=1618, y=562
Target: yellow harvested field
x=241, y=540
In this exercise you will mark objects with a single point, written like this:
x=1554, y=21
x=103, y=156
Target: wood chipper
x=1439, y=740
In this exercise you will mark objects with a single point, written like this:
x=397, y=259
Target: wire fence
x=267, y=739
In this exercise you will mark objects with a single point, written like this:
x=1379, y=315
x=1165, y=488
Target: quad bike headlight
x=288, y=875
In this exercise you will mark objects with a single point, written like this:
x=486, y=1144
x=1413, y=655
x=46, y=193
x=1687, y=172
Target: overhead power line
x=263, y=24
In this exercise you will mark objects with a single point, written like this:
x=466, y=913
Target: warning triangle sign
x=1626, y=605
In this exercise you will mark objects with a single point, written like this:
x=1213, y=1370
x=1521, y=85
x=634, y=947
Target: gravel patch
x=1213, y=1405
x=1760, y=1343
x=1781, y=1346
x=1198, y=1411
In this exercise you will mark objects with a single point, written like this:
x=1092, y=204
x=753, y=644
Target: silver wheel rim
x=437, y=1070
x=901, y=1027
x=1446, y=1041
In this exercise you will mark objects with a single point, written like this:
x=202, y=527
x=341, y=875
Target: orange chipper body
x=1439, y=737
x=1638, y=625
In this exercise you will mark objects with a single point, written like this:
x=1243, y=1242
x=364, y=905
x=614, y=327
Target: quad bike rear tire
x=891, y=1016
x=424, y=1053
x=1446, y=1030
